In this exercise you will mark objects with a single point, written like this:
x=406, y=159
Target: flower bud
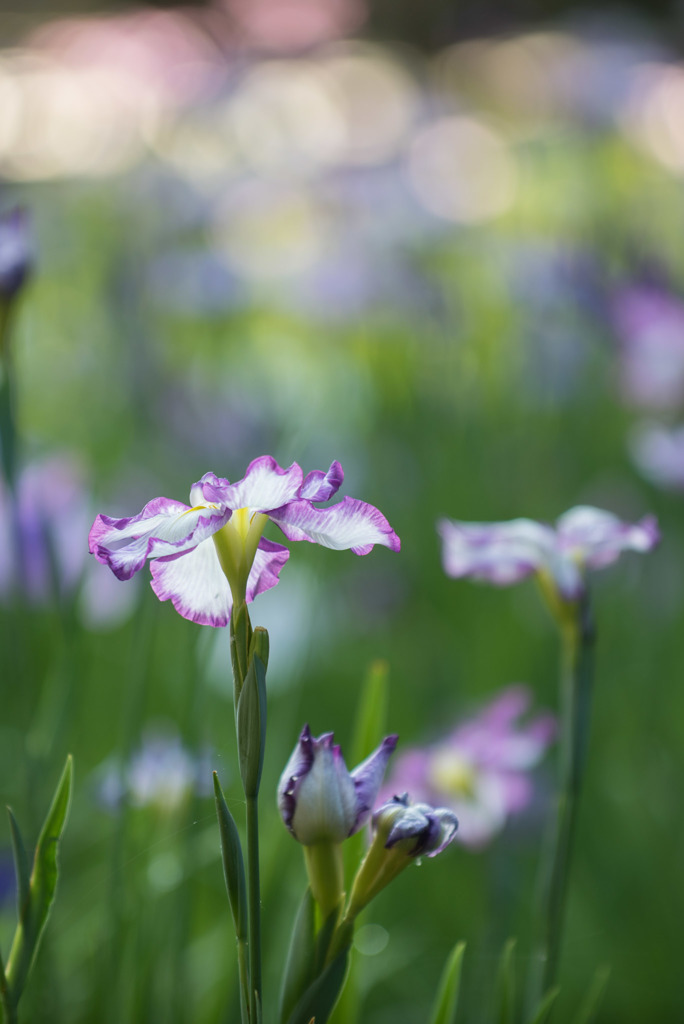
x=416, y=829
x=319, y=800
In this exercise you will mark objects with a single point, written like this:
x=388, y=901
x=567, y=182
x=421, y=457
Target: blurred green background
x=264, y=228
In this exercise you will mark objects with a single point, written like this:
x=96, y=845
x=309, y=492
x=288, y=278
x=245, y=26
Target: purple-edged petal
x=268, y=561
x=298, y=765
x=164, y=527
x=420, y=828
x=595, y=538
x=499, y=553
x=264, y=486
x=351, y=524
x=368, y=778
x=195, y=584
x=320, y=486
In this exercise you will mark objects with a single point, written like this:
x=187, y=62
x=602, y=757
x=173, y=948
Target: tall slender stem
x=254, y=905
x=576, y=684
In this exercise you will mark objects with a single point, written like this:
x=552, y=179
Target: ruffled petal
x=264, y=486
x=595, y=538
x=164, y=527
x=350, y=524
x=194, y=582
x=268, y=561
x=499, y=553
x=320, y=486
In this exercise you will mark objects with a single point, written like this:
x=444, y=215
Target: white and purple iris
x=320, y=801
x=482, y=769
x=504, y=553
x=206, y=556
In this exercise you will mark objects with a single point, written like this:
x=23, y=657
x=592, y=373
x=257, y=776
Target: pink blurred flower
x=481, y=770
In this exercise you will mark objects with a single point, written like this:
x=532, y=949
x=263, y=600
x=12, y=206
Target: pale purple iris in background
x=162, y=773
x=650, y=325
x=504, y=553
x=203, y=555
x=658, y=453
x=320, y=801
x=43, y=557
x=481, y=770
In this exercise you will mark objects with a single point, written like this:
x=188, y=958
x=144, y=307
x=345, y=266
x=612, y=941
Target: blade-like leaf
x=505, y=986
x=544, y=1009
x=42, y=885
x=300, y=964
x=233, y=863
x=319, y=999
x=370, y=727
x=251, y=726
x=590, y=1003
x=370, y=723
x=446, y=1000
x=21, y=865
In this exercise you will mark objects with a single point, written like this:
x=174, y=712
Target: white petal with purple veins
x=164, y=527
x=264, y=486
x=351, y=524
x=194, y=582
x=499, y=553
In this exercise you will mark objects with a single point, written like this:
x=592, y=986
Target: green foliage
x=446, y=1000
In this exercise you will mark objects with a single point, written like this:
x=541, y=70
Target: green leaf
x=371, y=712
x=370, y=727
x=251, y=727
x=319, y=999
x=446, y=1001
x=42, y=886
x=590, y=1003
x=300, y=964
x=21, y=865
x=544, y=1008
x=233, y=863
x=505, y=986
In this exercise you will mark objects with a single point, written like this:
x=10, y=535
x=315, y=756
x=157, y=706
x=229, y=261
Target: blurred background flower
x=482, y=770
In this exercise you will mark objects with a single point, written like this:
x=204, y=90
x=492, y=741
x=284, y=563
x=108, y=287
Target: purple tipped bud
x=15, y=253
x=416, y=829
x=319, y=800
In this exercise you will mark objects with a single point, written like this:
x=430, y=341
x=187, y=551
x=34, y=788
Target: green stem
x=576, y=684
x=254, y=905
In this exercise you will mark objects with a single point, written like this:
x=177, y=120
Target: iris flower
x=503, y=553
x=208, y=555
x=482, y=769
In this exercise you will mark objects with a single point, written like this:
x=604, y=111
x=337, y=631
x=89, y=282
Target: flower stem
x=576, y=684
x=254, y=905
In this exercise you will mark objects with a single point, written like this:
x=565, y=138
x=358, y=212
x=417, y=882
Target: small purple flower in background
x=650, y=326
x=205, y=557
x=42, y=552
x=161, y=773
x=16, y=256
x=658, y=453
x=319, y=800
x=481, y=770
x=505, y=553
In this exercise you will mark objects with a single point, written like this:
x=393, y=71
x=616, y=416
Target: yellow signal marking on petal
x=198, y=508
